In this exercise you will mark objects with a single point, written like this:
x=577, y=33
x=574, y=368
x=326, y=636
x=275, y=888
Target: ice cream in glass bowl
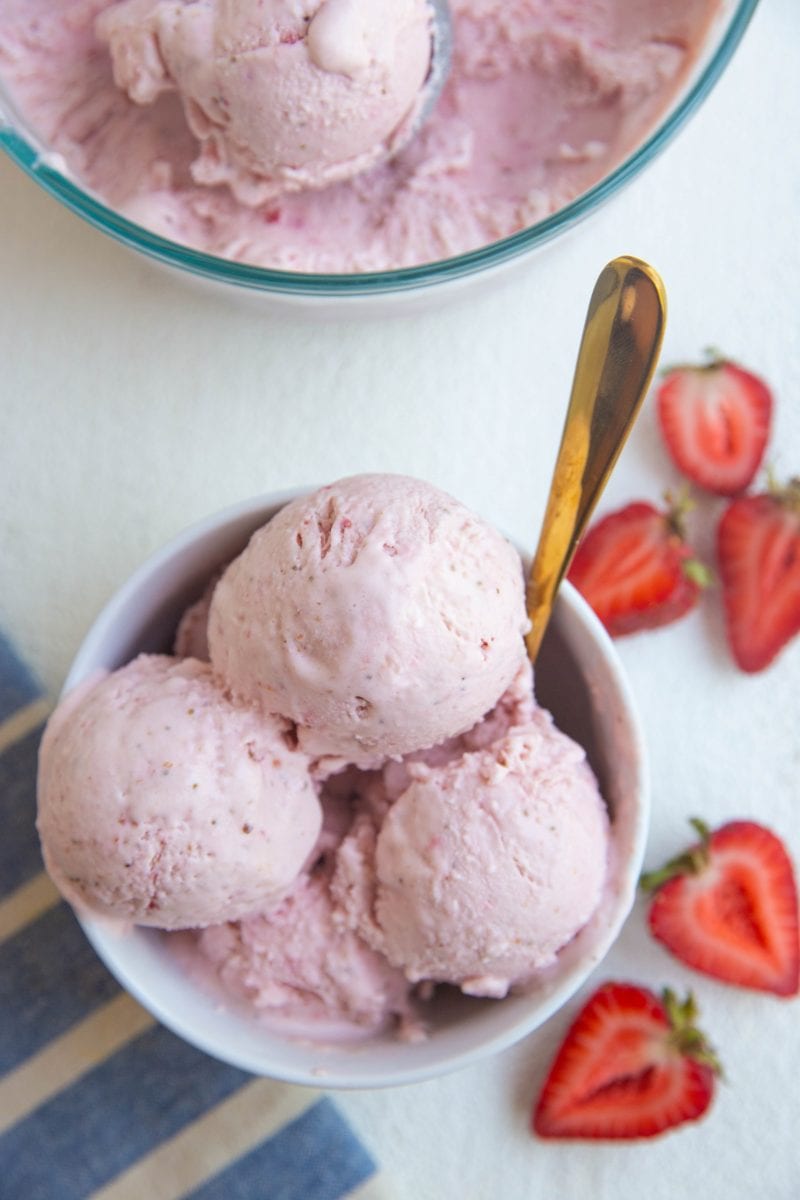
x=310, y=806
x=264, y=146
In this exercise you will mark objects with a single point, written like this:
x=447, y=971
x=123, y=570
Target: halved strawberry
x=728, y=907
x=631, y=1066
x=636, y=569
x=715, y=419
x=758, y=548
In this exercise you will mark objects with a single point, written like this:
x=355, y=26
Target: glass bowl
x=725, y=34
x=578, y=678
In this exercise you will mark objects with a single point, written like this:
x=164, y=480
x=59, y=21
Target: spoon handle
x=617, y=357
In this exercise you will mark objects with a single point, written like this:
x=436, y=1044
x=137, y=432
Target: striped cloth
x=98, y=1100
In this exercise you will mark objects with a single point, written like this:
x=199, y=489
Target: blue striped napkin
x=98, y=1100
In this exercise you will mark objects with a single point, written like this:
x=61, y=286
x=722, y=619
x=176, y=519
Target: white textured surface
x=133, y=405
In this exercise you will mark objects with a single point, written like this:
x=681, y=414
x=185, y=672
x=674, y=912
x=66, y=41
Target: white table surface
x=132, y=405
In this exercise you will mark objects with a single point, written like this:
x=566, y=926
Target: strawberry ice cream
x=542, y=102
x=301, y=962
x=482, y=869
x=162, y=804
x=471, y=863
x=378, y=613
x=281, y=96
x=358, y=798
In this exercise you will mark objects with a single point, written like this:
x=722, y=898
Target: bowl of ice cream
x=159, y=124
x=356, y=848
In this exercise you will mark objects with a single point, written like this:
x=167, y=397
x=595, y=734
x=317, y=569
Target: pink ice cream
x=301, y=962
x=543, y=101
x=482, y=869
x=162, y=804
x=358, y=798
x=281, y=95
x=516, y=706
x=378, y=613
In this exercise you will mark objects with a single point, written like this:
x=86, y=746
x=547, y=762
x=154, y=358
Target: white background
x=133, y=405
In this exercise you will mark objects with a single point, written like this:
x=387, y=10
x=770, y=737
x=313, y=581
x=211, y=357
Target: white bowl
x=578, y=677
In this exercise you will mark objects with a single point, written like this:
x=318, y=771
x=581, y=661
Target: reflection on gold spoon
x=617, y=357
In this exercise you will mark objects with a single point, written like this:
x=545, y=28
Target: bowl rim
x=110, y=947
x=40, y=166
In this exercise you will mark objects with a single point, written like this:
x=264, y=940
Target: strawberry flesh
x=631, y=1066
x=728, y=908
x=635, y=569
x=715, y=421
x=758, y=549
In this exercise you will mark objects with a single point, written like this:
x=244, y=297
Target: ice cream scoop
x=377, y=613
x=284, y=96
x=299, y=960
x=162, y=804
x=441, y=60
x=617, y=357
x=484, y=867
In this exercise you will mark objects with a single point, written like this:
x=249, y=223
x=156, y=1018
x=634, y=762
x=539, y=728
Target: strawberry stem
x=685, y=1036
x=689, y=862
x=714, y=358
x=678, y=506
x=701, y=829
x=698, y=572
x=788, y=494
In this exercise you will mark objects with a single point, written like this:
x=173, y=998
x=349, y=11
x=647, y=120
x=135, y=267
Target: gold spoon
x=617, y=357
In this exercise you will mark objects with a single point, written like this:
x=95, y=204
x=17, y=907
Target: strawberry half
x=758, y=548
x=636, y=569
x=728, y=907
x=715, y=420
x=631, y=1066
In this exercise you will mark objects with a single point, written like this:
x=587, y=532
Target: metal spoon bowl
x=441, y=58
